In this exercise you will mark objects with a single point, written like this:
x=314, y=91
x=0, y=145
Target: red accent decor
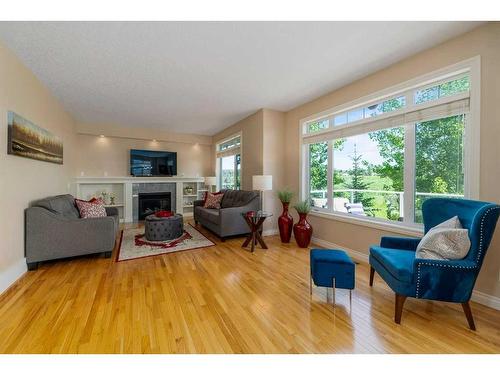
x=303, y=231
x=166, y=245
x=164, y=213
x=285, y=224
x=89, y=209
x=213, y=200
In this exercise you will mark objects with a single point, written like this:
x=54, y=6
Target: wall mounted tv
x=153, y=163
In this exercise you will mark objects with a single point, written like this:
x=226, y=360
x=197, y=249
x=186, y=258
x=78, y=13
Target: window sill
x=399, y=228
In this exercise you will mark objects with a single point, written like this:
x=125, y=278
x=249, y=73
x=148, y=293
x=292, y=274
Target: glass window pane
x=317, y=126
x=368, y=174
x=439, y=148
x=228, y=177
x=454, y=87
x=340, y=119
x=318, y=167
x=445, y=89
x=234, y=142
x=384, y=107
x=422, y=96
x=355, y=115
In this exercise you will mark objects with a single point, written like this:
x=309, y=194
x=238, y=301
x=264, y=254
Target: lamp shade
x=210, y=181
x=262, y=183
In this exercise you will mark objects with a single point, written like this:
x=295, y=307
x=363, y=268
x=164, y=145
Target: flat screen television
x=153, y=163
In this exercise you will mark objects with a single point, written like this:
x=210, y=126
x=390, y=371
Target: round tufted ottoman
x=163, y=228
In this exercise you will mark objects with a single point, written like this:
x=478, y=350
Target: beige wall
x=24, y=180
x=251, y=129
x=110, y=155
x=273, y=162
x=484, y=41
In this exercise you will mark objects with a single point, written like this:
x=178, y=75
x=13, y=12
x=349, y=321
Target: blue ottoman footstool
x=332, y=269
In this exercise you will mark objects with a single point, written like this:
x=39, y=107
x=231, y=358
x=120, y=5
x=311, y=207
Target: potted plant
x=303, y=230
x=285, y=221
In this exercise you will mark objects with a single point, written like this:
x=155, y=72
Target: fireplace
x=149, y=203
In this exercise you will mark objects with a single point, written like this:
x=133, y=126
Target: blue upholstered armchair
x=440, y=280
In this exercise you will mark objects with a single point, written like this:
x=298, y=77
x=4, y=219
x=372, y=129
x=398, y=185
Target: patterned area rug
x=134, y=245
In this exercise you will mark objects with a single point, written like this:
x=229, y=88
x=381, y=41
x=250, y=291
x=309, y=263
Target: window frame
x=231, y=151
x=471, y=165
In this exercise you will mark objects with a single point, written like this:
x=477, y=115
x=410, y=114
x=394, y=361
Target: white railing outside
x=323, y=194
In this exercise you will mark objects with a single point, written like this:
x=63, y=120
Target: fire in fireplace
x=149, y=203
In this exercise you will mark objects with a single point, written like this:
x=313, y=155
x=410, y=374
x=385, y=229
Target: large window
x=381, y=160
x=229, y=163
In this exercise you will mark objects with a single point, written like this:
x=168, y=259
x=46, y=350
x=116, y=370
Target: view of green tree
x=357, y=182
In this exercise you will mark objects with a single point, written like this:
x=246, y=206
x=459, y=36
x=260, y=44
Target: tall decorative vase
x=303, y=231
x=285, y=224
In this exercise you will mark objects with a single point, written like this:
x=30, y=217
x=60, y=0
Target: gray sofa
x=55, y=230
x=227, y=221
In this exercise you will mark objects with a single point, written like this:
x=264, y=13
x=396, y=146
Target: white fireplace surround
x=122, y=188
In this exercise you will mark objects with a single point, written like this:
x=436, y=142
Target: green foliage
x=285, y=195
x=303, y=207
x=318, y=161
x=357, y=182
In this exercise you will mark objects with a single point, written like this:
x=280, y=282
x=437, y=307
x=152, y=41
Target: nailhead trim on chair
x=455, y=266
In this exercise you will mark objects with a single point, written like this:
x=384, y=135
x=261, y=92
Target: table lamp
x=262, y=183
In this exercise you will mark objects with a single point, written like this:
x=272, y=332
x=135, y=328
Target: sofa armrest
x=403, y=243
x=199, y=202
x=111, y=211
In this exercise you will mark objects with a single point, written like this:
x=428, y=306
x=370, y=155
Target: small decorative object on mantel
x=303, y=230
x=104, y=195
x=285, y=221
x=30, y=141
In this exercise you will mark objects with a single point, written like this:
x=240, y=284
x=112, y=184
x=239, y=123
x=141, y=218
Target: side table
x=255, y=220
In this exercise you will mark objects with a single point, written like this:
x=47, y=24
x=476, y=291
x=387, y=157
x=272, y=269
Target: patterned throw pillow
x=90, y=209
x=445, y=241
x=213, y=200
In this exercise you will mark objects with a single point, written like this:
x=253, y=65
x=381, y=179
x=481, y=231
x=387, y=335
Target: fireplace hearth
x=149, y=203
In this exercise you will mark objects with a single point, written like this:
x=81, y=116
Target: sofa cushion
x=60, y=204
x=399, y=263
x=89, y=209
x=237, y=198
x=209, y=214
x=213, y=200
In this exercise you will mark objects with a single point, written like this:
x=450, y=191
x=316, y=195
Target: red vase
x=303, y=231
x=285, y=223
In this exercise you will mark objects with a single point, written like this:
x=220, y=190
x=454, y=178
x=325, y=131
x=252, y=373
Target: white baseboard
x=477, y=296
x=11, y=274
x=486, y=299
x=270, y=232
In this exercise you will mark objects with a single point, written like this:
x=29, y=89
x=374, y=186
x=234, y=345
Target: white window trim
x=472, y=140
x=216, y=152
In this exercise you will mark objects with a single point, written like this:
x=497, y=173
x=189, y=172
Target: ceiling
x=200, y=77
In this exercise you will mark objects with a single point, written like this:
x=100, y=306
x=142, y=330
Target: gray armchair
x=228, y=221
x=55, y=230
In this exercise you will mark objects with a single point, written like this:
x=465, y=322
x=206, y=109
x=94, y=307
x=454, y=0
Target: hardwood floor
x=223, y=299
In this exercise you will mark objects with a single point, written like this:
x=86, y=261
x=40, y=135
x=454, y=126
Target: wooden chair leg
x=400, y=301
x=468, y=315
x=372, y=273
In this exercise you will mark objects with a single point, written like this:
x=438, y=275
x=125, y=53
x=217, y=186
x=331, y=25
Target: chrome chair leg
x=350, y=299
x=310, y=285
x=333, y=291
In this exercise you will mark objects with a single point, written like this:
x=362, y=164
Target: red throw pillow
x=213, y=200
x=164, y=213
x=206, y=195
x=90, y=209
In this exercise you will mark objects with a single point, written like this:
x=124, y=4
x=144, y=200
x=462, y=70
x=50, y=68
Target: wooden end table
x=255, y=220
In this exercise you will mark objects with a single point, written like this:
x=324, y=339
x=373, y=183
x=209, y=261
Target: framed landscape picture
x=29, y=140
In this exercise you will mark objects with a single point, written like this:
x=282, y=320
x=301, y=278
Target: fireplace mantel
x=122, y=188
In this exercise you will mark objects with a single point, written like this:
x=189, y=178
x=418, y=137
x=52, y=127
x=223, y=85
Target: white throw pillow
x=445, y=241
